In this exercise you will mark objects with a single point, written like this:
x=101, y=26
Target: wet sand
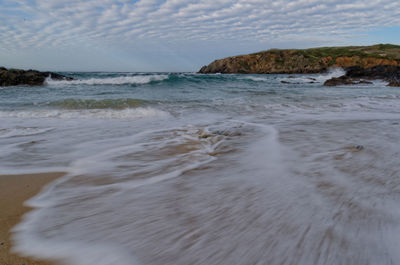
x=14, y=190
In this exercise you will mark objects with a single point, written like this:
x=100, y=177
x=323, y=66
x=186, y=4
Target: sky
x=180, y=35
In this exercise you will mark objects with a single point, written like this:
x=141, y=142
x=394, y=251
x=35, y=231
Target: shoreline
x=14, y=191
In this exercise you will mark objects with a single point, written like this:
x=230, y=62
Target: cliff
x=14, y=77
x=313, y=60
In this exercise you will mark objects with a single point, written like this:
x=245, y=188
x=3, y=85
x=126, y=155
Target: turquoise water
x=182, y=168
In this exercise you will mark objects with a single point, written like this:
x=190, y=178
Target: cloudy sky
x=180, y=35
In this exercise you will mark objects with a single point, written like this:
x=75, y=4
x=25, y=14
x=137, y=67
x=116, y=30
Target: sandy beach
x=14, y=190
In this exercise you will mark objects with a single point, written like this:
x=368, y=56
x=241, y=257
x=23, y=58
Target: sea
x=207, y=169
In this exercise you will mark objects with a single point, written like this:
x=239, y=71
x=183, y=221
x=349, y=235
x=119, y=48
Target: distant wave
x=314, y=78
x=256, y=78
x=121, y=103
x=124, y=114
x=119, y=80
x=333, y=72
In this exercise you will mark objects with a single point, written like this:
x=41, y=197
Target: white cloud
x=27, y=24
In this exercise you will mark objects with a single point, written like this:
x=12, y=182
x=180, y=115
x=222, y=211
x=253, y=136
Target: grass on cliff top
x=384, y=51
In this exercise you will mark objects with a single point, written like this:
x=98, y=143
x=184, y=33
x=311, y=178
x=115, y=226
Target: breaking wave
x=119, y=80
x=314, y=78
x=257, y=78
x=124, y=114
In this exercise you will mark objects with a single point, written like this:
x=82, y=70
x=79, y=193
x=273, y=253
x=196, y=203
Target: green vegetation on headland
x=382, y=51
x=313, y=60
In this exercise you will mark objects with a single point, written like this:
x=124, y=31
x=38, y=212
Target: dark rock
x=343, y=80
x=384, y=72
x=287, y=82
x=353, y=75
x=203, y=69
x=365, y=82
x=355, y=71
x=56, y=76
x=337, y=81
x=354, y=148
x=14, y=77
x=359, y=147
x=394, y=81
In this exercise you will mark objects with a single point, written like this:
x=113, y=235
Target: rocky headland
x=14, y=77
x=315, y=60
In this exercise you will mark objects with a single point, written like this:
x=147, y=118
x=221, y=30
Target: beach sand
x=14, y=190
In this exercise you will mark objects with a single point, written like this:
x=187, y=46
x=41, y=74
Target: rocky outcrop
x=343, y=80
x=360, y=75
x=272, y=62
x=314, y=60
x=394, y=83
x=14, y=77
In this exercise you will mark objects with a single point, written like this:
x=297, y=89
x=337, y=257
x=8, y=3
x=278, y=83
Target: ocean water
x=182, y=168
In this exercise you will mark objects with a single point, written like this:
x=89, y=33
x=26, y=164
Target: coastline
x=14, y=191
x=306, y=61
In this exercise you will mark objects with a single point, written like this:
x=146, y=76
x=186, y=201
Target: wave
x=256, y=78
x=314, y=78
x=124, y=114
x=119, y=173
x=121, y=103
x=119, y=80
x=333, y=72
x=22, y=131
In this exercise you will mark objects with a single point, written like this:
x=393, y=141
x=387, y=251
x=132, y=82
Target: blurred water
x=167, y=168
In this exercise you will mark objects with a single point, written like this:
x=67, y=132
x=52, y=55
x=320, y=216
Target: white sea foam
x=203, y=188
x=31, y=243
x=120, y=80
x=22, y=131
x=256, y=78
x=317, y=78
x=333, y=72
x=27, y=242
x=125, y=114
x=151, y=144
